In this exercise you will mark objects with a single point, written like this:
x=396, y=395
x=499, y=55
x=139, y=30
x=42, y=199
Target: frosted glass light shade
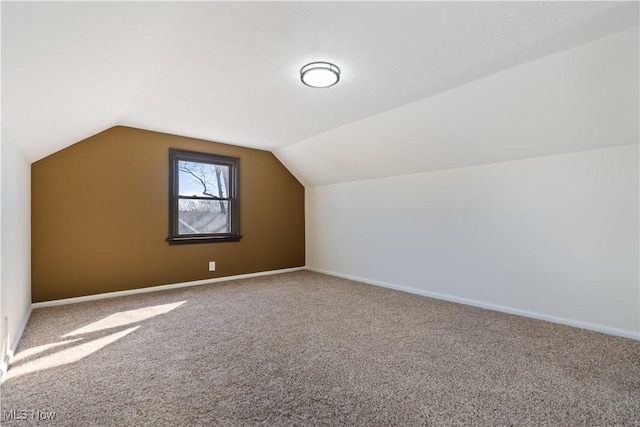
x=320, y=74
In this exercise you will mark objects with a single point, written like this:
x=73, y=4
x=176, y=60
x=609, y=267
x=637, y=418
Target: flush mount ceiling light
x=320, y=74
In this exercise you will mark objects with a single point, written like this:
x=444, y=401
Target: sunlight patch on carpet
x=25, y=354
x=123, y=318
x=67, y=356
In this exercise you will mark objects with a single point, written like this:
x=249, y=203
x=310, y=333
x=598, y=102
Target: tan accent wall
x=100, y=217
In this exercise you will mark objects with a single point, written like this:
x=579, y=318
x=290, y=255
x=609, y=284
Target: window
x=204, y=204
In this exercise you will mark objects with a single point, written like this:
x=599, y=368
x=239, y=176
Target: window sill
x=187, y=240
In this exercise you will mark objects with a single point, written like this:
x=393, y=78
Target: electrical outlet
x=212, y=266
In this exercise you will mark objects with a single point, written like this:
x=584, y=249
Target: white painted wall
x=15, y=270
x=552, y=237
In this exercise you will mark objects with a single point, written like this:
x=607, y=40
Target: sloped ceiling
x=229, y=72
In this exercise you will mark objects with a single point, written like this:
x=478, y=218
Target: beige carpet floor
x=308, y=349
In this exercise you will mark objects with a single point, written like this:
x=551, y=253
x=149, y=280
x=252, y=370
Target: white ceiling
x=228, y=72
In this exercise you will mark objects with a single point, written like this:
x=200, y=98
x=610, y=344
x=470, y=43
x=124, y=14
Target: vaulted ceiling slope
x=228, y=72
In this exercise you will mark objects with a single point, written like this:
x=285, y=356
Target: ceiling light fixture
x=320, y=74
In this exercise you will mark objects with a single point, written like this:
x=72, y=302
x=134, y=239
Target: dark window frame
x=175, y=155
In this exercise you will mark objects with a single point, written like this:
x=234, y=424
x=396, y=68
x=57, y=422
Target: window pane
x=203, y=179
x=203, y=216
x=203, y=197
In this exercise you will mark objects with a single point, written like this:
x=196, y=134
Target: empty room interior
x=320, y=213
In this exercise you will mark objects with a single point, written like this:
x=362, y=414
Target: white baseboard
x=576, y=323
x=160, y=288
x=13, y=346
